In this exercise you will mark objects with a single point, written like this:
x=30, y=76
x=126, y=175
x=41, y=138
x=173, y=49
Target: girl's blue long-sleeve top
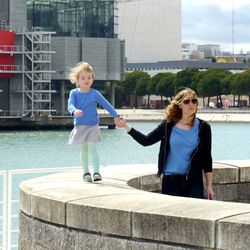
x=87, y=103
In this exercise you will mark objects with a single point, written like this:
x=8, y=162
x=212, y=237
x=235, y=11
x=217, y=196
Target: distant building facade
x=151, y=30
x=210, y=50
x=190, y=51
x=41, y=39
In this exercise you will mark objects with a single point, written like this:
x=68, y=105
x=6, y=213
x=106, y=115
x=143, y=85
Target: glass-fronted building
x=51, y=36
x=78, y=18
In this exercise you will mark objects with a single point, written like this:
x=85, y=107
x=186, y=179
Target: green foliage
x=210, y=82
x=184, y=78
x=165, y=87
x=240, y=84
x=142, y=86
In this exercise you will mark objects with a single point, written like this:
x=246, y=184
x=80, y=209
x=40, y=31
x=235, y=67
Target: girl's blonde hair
x=173, y=112
x=80, y=67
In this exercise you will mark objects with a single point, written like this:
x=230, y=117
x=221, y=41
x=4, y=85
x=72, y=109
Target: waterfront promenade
x=65, y=122
x=210, y=115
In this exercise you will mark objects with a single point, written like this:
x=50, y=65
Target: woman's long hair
x=173, y=112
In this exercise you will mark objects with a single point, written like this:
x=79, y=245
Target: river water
x=44, y=149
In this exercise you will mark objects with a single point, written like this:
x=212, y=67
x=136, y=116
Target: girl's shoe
x=87, y=177
x=97, y=177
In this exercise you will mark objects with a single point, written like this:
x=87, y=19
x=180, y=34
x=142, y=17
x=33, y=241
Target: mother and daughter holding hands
x=185, y=140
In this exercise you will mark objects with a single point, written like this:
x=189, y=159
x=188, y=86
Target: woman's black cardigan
x=201, y=158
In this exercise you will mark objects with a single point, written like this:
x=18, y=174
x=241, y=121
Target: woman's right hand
x=119, y=122
x=123, y=124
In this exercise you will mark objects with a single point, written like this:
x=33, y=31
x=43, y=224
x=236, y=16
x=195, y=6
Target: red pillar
x=7, y=59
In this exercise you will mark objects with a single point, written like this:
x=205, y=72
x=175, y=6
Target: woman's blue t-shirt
x=182, y=144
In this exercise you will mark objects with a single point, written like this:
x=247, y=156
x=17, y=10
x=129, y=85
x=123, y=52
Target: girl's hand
x=78, y=113
x=119, y=122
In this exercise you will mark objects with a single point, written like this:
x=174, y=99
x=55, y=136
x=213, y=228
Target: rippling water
x=33, y=149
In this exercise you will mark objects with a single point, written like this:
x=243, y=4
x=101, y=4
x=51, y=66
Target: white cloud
x=222, y=4
x=210, y=21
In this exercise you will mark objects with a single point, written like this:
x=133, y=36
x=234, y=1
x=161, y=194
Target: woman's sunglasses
x=187, y=101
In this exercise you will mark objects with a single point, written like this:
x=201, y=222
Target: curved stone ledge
x=60, y=211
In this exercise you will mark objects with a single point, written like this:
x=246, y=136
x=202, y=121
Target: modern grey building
x=51, y=36
x=151, y=29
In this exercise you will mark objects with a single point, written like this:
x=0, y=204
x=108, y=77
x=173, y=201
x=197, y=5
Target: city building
x=190, y=51
x=41, y=39
x=209, y=50
x=151, y=29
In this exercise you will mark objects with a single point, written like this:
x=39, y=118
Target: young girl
x=82, y=104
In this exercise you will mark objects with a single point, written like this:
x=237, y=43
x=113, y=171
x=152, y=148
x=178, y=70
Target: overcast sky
x=210, y=21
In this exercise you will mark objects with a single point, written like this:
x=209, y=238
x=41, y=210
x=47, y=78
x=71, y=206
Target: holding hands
x=121, y=123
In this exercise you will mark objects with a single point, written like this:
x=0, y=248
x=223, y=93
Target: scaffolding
x=34, y=64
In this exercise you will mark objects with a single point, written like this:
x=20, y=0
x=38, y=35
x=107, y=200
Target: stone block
x=136, y=245
x=25, y=231
x=244, y=192
x=25, y=200
x=173, y=229
x=25, y=244
x=223, y=173
x=169, y=247
x=48, y=209
x=135, y=183
x=245, y=173
x=233, y=233
x=226, y=192
x=244, y=168
x=110, y=214
x=46, y=235
x=151, y=183
x=107, y=243
x=87, y=241
x=99, y=215
x=182, y=221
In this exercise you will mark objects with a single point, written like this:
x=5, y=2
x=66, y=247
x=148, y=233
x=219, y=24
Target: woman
x=185, y=149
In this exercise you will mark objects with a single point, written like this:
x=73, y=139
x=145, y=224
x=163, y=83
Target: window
x=78, y=18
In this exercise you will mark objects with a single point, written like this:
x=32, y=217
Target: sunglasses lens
x=187, y=101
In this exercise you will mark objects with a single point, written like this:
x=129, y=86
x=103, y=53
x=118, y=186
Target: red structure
x=7, y=59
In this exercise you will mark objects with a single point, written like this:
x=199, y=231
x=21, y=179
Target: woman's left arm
x=208, y=162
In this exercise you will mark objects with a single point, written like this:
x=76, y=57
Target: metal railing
x=11, y=68
x=9, y=201
x=4, y=213
x=10, y=48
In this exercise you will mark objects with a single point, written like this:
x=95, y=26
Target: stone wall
x=60, y=211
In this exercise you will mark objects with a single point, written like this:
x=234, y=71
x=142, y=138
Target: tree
x=155, y=80
x=240, y=85
x=165, y=86
x=210, y=83
x=184, y=78
x=130, y=82
x=143, y=86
